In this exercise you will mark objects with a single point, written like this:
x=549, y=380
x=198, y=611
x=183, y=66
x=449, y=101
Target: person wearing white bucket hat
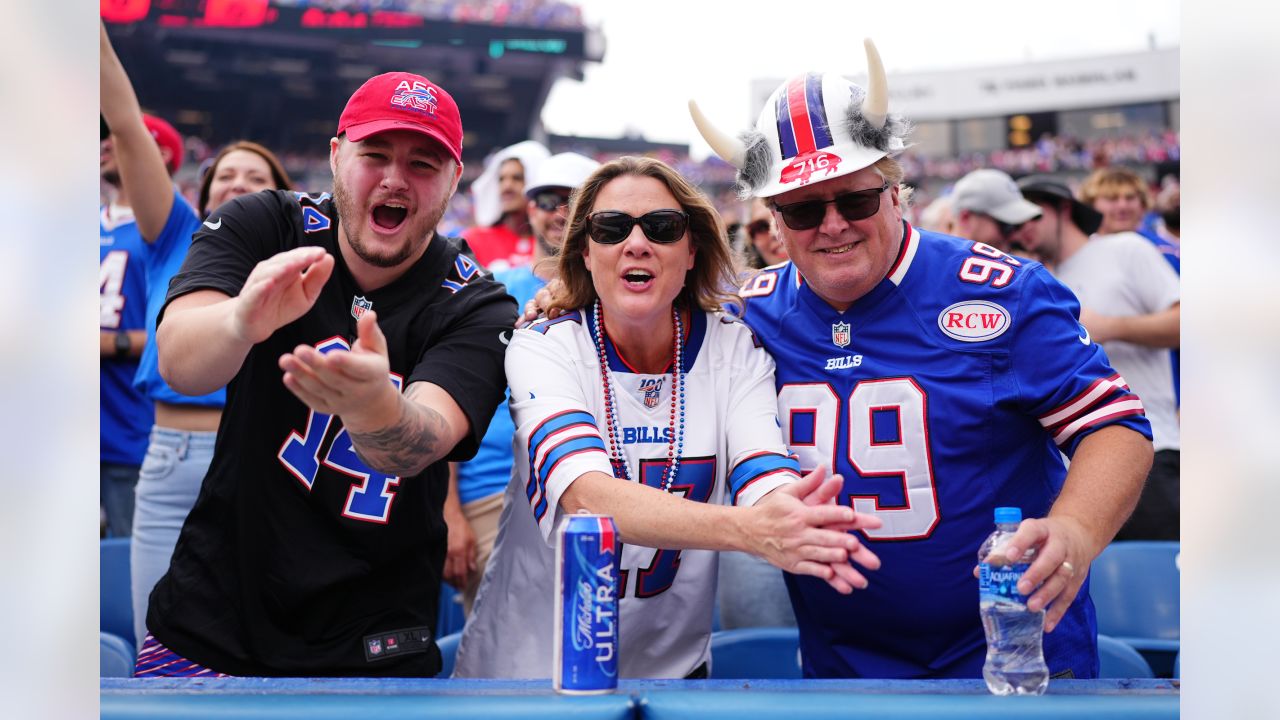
x=475, y=487
x=501, y=237
x=941, y=378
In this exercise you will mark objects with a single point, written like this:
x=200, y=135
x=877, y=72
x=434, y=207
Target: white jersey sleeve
x=557, y=439
x=758, y=458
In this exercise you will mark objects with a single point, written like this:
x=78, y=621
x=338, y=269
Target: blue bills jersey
x=953, y=387
x=124, y=413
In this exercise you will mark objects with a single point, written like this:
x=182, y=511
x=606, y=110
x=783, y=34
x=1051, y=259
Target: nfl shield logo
x=840, y=334
x=359, y=305
x=375, y=647
x=651, y=388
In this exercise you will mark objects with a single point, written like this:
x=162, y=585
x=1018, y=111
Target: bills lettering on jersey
x=843, y=363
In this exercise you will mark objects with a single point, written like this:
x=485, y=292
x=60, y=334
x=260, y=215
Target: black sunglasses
x=808, y=214
x=1006, y=229
x=660, y=226
x=550, y=201
x=757, y=227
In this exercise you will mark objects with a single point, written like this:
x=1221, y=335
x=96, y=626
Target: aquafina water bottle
x=1015, y=656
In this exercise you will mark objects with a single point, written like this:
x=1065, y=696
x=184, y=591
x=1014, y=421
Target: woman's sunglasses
x=808, y=214
x=660, y=226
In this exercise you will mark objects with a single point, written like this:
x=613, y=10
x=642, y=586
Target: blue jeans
x=168, y=484
x=115, y=493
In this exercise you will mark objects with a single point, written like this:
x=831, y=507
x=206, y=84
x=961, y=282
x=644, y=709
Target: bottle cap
x=1007, y=515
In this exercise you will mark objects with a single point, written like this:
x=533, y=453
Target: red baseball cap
x=166, y=137
x=403, y=101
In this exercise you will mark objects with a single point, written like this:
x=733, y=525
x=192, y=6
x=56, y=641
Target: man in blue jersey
x=125, y=414
x=942, y=378
x=476, y=486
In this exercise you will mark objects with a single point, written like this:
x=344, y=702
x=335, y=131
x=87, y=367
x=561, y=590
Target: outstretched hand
x=354, y=385
x=280, y=290
x=800, y=530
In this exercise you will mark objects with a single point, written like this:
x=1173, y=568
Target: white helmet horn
x=875, y=108
x=730, y=149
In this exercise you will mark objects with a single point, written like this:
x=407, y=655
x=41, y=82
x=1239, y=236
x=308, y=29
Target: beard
x=417, y=234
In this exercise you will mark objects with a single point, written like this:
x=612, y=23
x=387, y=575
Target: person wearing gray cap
x=940, y=378
x=988, y=208
x=475, y=488
x=1130, y=298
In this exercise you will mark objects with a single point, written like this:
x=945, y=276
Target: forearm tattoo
x=408, y=446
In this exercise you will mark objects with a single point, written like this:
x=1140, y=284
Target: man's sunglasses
x=660, y=226
x=1006, y=229
x=550, y=201
x=808, y=214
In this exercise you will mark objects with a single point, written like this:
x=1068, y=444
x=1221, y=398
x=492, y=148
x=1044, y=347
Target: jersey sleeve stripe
x=1082, y=402
x=1124, y=407
x=787, y=472
x=544, y=438
x=759, y=465
x=564, y=452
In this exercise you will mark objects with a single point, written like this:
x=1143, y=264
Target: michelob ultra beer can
x=586, y=622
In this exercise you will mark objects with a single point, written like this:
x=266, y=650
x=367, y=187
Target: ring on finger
x=1071, y=569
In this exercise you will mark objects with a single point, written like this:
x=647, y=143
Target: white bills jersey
x=732, y=453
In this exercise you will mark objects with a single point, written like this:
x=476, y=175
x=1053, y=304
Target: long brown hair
x=707, y=285
x=278, y=174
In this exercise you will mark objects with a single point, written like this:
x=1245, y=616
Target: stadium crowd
x=649, y=257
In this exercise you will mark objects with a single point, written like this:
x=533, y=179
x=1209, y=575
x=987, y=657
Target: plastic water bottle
x=1015, y=655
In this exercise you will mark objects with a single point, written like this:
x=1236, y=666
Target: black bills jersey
x=298, y=559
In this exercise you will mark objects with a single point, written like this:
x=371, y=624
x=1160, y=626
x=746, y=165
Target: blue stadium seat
x=448, y=651
x=1118, y=660
x=115, y=656
x=115, y=600
x=1134, y=585
x=756, y=653
x=452, y=616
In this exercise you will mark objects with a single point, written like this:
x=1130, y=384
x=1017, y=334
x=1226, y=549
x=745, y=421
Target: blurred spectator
x=501, y=238
x=763, y=247
x=938, y=216
x=476, y=486
x=125, y=414
x=1131, y=306
x=1120, y=194
x=989, y=209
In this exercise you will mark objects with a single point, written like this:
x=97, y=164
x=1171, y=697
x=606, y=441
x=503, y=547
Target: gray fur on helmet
x=754, y=172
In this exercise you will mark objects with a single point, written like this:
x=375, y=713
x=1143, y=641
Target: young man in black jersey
x=362, y=352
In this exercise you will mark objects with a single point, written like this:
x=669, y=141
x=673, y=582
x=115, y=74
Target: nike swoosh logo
x=505, y=337
x=1085, y=337
x=213, y=226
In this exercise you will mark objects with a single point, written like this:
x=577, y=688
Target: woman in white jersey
x=646, y=403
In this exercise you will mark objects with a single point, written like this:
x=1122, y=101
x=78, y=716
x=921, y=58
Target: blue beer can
x=586, y=621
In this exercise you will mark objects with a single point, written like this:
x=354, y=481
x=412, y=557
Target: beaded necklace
x=675, y=446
